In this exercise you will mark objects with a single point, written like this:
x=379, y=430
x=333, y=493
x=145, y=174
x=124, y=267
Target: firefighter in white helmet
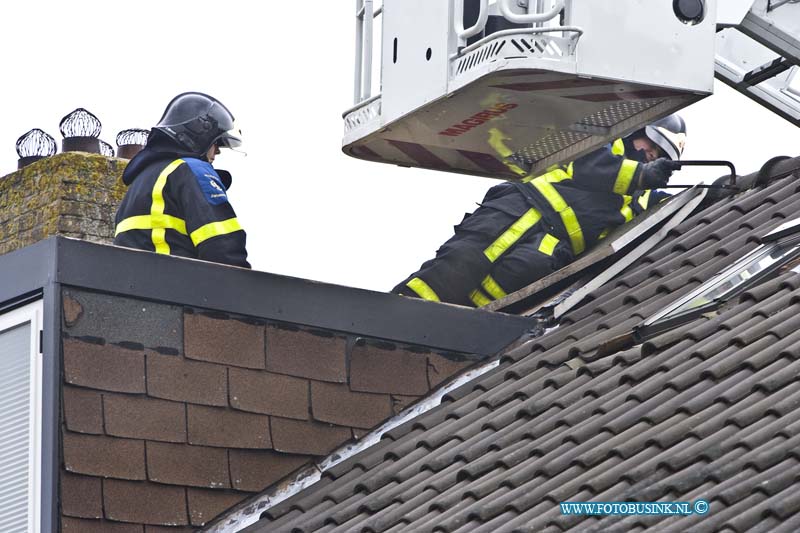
x=526, y=230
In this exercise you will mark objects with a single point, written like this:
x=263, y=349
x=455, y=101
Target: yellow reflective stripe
x=493, y=288
x=157, y=207
x=644, y=199
x=497, y=141
x=478, y=298
x=604, y=234
x=626, y=173
x=568, y=216
x=423, y=290
x=159, y=238
x=213, y=229
x=554, y=176
x=512, y=234
x=548, y=244
x=152, y=222
x=626, y=210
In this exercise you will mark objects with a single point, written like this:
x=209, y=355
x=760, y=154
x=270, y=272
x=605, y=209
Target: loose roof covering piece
x=709, y=411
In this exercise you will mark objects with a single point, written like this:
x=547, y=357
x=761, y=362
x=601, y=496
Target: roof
x=709, y=410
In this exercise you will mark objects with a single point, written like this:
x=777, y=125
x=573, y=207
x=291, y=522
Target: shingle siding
x=170, y=429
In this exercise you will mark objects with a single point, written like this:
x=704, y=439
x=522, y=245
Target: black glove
x=657, y=173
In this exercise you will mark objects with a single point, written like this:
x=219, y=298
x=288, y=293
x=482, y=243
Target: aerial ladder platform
x=505, y=88
x=758, y=53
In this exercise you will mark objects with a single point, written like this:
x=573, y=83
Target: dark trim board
x=260, y=294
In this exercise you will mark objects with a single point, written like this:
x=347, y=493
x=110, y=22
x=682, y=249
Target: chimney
x=71, y=194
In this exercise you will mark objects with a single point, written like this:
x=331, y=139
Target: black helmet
x=196, y=121
x=669, y=134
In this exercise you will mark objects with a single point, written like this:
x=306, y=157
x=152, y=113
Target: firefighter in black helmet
x=526, y=230
x=176, y=201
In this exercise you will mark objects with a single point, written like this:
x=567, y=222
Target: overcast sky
x=285, y=69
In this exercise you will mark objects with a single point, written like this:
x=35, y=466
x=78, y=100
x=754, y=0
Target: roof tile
x=81, y=496
x=182, y=464
x=255, y=470
x=374, y=369
x=145, y=503
x=312, y=438
x=205, y=505
x=83, y=410
x=175, y=378
x=230, y=341
x=339, y=405
x=144, y=418
x=76, y=525
x=212, y=426
x=105, y=367
x=103, y=456
x=304, y=354
x=267, y=393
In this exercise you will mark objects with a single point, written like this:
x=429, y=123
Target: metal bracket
x=731, y=185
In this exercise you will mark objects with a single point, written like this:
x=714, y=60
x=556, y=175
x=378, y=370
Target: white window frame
x=32, y=313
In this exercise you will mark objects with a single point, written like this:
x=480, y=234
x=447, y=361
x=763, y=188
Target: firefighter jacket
x=584, y=200
x=521, y=232
x=178, y=205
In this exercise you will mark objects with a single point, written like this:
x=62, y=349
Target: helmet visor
x=671, y=143
x=231, y=138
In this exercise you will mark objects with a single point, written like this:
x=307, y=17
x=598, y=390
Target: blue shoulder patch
x=209, y=181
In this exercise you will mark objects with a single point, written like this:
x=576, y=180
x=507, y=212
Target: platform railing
x=365, y=16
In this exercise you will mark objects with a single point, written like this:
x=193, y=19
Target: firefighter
x=176, y=201
x=526, y=230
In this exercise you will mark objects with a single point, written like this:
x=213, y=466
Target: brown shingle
x=272, y=394
x=314, y=438
x=339, y=405
x=400, y=402
x=256, y=470
x=440, y=368
x=168, y=529
x=374, y=369
x=205, y=505
x=213, y=426
x=145, y=503
x=83, y=410
x=223, y=341
x=103, y=456
x=81, y=496
x=175, y=378
x=103, y=367
x=303, y=354
x=144, y=418
x=182, y=464
x=76, y=525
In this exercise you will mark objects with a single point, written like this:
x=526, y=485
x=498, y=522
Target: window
x=780, y=251
x=20, y=419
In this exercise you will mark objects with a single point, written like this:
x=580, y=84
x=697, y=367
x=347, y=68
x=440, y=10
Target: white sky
x=285, y=69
